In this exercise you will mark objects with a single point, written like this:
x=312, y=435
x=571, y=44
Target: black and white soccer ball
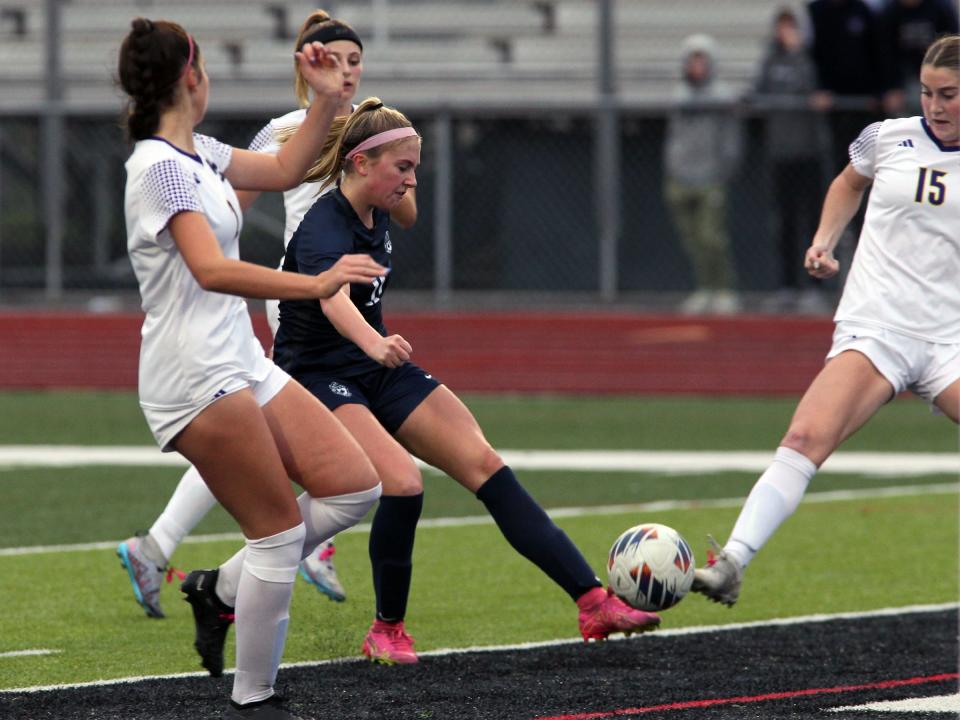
x=650, y=567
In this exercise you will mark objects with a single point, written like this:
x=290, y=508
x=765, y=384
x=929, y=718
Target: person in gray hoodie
x=700, y=154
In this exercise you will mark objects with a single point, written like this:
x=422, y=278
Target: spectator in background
x=847, y=50
x=784, y=90
x=911, y=26
x=701, y=151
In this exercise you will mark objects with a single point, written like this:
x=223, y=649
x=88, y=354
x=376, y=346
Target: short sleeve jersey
x=307, y=343
x=906, y=269
x=296, y=202
x=192, y=340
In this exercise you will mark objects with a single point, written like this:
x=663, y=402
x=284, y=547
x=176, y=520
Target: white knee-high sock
x=263, y=611
x=325, y=517
x=774, y=498
x=191, y=500
x=322, y=517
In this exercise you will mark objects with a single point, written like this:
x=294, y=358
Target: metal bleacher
x=419, y=51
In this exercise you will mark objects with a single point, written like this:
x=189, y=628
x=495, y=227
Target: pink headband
x=382, y=138
x=186, y=67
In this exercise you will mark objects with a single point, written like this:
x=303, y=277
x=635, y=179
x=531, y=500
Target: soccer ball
x=650, y=567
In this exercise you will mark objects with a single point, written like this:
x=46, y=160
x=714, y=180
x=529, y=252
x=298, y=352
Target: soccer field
x=68, y=616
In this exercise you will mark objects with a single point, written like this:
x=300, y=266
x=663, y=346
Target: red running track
x=544, y=352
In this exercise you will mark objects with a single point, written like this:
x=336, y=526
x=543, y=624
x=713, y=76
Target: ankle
x=739, y=553
x=379, y=624
x=151, y=550
x=592, y=598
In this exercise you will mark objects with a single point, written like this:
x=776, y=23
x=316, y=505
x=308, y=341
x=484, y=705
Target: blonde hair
x=944, y=52
x=370, y=118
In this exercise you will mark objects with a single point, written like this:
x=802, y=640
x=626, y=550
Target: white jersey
x=193, y=341
x=905, y=274
x=296, y=202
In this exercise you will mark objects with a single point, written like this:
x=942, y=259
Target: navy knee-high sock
x=534, y=535
x=391, y=552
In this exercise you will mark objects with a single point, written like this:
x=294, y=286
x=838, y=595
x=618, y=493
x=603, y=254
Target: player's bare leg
x=846, y=393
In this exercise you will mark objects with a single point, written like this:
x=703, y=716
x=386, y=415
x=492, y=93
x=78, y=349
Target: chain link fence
x=509, y=191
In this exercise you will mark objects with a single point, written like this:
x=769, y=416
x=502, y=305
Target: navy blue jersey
x=307, y=342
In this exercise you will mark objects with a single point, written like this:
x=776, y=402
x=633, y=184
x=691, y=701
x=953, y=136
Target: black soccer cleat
x=211, y=617
x=269, y=709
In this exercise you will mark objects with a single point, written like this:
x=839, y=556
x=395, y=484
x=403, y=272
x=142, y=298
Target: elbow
x=208, y=278
x=289, y=183
x=289, y=174
x=207, y=282
x=405, y=217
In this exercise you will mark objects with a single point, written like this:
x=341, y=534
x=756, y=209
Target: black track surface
x=601, y=678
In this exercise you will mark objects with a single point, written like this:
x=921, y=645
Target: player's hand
x=820, y=262
x=361, y=269
x=391, y=352
x=321, y=70
x=821, y=100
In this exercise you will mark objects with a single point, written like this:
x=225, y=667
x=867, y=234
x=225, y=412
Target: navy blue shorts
x=391, y=394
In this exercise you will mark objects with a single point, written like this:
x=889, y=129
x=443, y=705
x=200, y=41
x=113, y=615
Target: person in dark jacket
x=794, y=138
x=847, y=51
x=911, y=26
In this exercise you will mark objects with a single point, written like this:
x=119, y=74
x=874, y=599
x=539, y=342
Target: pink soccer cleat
x=602, y=613
x=388, y=643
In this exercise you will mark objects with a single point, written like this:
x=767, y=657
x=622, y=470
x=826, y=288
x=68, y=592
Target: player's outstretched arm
x=840, y=205
x=251, y=170
x=216, y=273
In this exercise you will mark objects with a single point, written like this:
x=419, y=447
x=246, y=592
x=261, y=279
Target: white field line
x=555, y=513
x=648, y=637
x=22, y=653
x=938, y=704
x=680, y=462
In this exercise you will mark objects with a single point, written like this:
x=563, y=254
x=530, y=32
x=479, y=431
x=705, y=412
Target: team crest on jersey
x=387, y=245
x=341, y=390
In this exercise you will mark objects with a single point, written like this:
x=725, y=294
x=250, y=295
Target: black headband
x=333, y=30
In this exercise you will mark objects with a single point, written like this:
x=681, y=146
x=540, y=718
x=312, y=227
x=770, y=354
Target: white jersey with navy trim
x=296, y=202
x=193, y=341
x=905, y=274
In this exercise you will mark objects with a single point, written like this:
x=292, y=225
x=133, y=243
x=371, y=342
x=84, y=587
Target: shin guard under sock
x=534, y=535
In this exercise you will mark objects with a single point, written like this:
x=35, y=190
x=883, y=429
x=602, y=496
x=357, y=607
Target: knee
x=275, y=558
x=404, y=481
x=361, y=473
x=328, y=516
x=474, y=466
x=485, y=462
x=489, y=462
x=808, y=440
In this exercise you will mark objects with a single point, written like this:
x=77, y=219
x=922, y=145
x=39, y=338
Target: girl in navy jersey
x=145, y=556
x=206, y=388
x=342, y=352
x=898, y=321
